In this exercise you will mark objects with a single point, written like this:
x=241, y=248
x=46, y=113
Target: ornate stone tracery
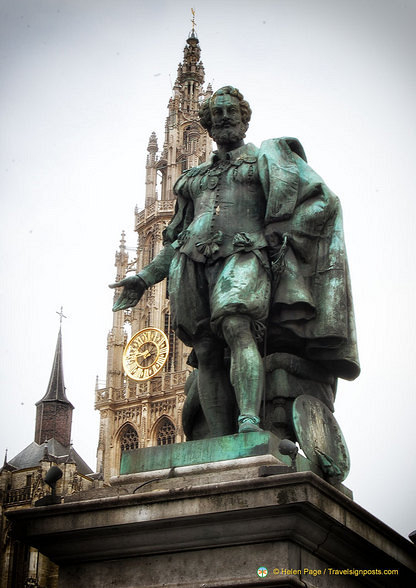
x=129, y=438
x=163, y=407
x=131, y=413
x=165, y=432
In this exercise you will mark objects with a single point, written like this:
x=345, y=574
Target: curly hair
x=205, y=111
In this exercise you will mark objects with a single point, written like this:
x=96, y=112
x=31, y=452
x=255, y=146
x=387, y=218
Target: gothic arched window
x=166, y=432
x=172, y=364
x=129, y=439
x=150, y=248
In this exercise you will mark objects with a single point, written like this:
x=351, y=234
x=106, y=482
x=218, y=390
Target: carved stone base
x=215, y=527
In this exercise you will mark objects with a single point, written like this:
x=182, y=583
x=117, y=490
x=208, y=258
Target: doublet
x=229, y=206
x=267, y=201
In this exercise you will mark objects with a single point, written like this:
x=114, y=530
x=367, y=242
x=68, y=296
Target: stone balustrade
x=157, y=208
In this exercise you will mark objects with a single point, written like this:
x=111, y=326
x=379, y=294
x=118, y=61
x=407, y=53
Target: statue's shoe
x=248, y=424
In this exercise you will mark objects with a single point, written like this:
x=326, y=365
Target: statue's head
x=233, y=129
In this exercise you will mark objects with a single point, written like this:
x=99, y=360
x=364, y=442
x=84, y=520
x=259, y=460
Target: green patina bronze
x=229, y=447
x=320, y=437
x=258, y=282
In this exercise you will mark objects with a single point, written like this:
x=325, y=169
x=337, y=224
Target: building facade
x=136, y=414
x=22, y=481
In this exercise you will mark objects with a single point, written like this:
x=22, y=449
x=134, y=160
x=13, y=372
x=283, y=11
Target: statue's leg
x=247, y=370
x=215, y=392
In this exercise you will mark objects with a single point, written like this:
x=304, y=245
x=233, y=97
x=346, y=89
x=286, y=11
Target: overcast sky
x=83, y=85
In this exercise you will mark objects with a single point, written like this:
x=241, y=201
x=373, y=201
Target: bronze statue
x=257, y=267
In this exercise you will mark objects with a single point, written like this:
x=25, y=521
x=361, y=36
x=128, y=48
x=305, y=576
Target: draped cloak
x=311, y=312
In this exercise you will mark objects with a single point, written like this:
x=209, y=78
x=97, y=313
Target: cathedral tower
x=145, y=413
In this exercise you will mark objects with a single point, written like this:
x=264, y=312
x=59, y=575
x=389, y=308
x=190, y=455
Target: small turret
x=151, y=170
x=122, y=258
x=152, y=149
x=116, y=337
x=208, y=92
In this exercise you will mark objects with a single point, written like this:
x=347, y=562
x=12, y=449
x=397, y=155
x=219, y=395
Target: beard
x=227, y=135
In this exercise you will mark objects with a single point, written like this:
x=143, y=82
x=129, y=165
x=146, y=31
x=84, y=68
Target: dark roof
x=53, y=450
x=56, y=387
x=7, y=467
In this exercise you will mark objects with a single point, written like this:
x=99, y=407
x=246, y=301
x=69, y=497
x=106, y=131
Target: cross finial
x=61, y=316
x=193, y=20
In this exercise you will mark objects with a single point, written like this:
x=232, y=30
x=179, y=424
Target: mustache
x=228, y=126
x=224, y=124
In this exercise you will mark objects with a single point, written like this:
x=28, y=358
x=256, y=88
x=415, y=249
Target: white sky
x=85, y=82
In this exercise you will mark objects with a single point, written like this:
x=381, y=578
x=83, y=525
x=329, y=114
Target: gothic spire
x=56, y=386
x=54, y=411
x=190, y=76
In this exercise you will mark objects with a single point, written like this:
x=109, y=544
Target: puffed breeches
x=202, y=295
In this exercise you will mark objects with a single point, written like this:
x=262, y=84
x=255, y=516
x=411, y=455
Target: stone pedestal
x=215, y=525
x=206, y=451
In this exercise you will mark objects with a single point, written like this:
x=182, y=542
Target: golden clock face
x=145, y=354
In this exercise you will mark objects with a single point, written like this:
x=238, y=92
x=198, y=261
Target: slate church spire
x=54, y=410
